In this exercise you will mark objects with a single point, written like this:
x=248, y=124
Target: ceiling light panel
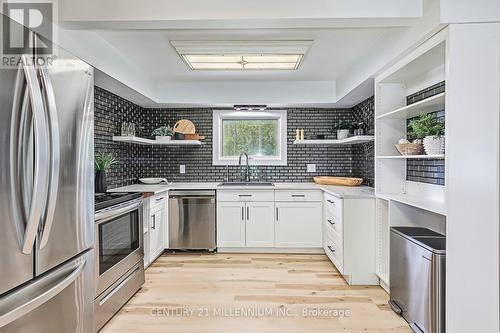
x=243, y=61
x=242, y=55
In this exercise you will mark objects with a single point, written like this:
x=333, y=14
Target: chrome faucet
x=247, y=169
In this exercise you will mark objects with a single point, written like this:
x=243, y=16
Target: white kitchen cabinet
x=245, y=224
x=231, y=224
x=157, y=231
x=349, y=242
x=155, y=227
x=259, y=225
x=299, y=224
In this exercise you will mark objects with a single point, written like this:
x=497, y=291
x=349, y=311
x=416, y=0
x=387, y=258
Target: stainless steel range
x=119, y=252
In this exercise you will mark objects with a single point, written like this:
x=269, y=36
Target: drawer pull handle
x=298, y=196
x=159, y=199
x=330, y=201
x=331, y=249
x=245, y=195
x=331, y=222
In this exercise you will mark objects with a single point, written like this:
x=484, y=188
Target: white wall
x=472, y=112
x=147, y=10
x=230, y=93
x=389, y=49
x=470, y=11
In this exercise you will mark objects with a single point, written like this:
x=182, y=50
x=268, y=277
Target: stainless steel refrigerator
x=46, y=195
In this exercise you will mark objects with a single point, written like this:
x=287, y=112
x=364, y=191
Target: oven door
x=118, y=242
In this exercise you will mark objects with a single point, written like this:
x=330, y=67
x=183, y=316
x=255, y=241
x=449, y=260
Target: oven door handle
x=105, y=215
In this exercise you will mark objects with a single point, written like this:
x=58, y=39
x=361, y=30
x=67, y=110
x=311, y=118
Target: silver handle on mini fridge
x=54, y=155
x=37, y=294
x=41, y=159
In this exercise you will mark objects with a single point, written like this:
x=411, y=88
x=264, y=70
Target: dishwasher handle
x=191, y=194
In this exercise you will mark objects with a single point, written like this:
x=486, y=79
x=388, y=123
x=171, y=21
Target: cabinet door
x=299, y=224
x=259, y=224
x=157, y=231
x=231, y=224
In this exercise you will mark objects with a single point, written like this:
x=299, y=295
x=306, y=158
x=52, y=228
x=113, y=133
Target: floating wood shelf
x=349, y=141
x=431, y=104
x=144, y=141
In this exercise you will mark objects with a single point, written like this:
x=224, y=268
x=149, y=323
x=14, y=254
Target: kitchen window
x=261, y=134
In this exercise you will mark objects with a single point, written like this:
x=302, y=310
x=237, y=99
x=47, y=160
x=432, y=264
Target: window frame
x=220, y=115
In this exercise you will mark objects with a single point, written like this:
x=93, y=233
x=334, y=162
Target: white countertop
x=338, y=191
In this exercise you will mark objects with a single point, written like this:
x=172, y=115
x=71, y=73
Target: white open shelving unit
x=409, y=157
x=401, y=202
x=349, y=141
x=143, y=141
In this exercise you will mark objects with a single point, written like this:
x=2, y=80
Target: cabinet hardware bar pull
x=277, y=214
x=331, y=249
x=248, y=213
x=243, y=213
x=331, y=222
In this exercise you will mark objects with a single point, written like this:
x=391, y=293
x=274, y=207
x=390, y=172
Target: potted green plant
x=431, y=130
x=102, y=163
x=342, y=129
x=163, y=133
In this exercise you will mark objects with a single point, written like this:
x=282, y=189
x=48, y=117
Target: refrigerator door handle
x=54, y=155
x=37, y=294
x=41, y=153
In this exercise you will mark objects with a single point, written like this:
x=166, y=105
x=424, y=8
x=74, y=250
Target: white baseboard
x=270, y=250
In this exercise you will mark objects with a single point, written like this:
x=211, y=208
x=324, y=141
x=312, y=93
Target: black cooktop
x=104, y=200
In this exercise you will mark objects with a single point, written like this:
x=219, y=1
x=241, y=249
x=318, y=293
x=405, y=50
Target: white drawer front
x=299, y=195
x=245, y=195
x=334, y=234
x=157, y=200
x=334, y=251
x=333, y=222
x=333, y=205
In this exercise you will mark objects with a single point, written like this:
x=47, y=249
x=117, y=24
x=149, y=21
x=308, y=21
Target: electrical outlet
x=182, y=168
x=311, y=168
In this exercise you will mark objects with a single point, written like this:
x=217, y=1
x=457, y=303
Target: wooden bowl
x=408, y=149
x=340, y=181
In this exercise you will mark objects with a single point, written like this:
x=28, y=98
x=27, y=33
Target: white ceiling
x=333, y=52
x=129, y=41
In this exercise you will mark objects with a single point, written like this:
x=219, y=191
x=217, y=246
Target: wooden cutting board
x=194, y=137
x=185, y=126
x=340, y=181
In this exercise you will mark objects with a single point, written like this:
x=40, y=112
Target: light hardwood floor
x=201, y=293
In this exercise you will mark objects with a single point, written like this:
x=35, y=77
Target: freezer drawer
x=59, y=301
x=417, y=280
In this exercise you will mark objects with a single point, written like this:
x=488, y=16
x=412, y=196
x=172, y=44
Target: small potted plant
x=431, y=130
x=342, y=129
x=103, y=162
x=163, y=133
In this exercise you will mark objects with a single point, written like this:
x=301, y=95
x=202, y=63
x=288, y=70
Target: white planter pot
x=434, y=145
x=163, y=138
x=342, y=134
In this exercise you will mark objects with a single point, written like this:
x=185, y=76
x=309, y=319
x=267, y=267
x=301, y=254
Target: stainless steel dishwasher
x=192, y=220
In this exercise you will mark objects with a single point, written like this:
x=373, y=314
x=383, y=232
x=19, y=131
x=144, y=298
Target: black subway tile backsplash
x=163, y=161
x=429, y=171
